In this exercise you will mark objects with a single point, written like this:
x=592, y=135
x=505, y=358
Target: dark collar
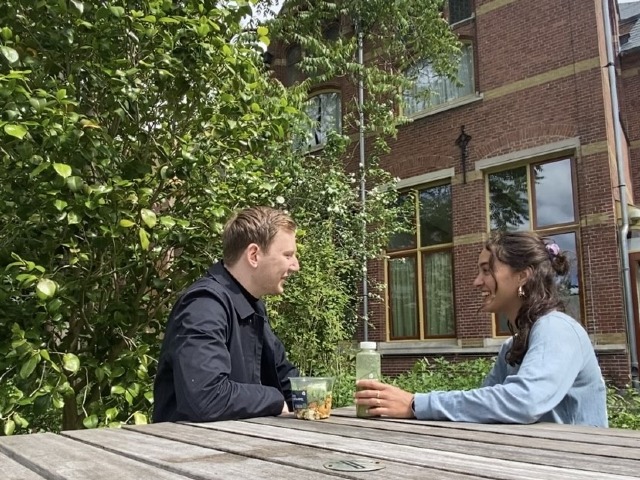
x=239, y=296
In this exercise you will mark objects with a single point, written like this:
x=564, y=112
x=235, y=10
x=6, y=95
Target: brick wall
x=538, y=71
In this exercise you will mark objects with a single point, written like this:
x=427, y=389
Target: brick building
x=527, y=142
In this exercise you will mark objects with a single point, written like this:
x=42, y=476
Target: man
x=220, y=360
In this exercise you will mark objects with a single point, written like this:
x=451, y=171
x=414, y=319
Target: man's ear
x=251, y=254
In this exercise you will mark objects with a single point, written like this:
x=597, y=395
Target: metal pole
x=363, y=183
x=624, y=251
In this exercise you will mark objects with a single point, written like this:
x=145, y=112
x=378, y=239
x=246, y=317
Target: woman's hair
x=521, y=250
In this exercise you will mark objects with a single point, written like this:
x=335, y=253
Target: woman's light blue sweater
x=558, y=381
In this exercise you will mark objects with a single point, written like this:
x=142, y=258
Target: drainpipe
x=622, y=185
x=363, y=180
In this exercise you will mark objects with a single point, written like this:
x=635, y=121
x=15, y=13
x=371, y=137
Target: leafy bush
x=623, y=406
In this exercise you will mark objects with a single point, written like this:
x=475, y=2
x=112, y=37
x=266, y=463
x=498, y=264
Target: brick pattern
x=538, y=67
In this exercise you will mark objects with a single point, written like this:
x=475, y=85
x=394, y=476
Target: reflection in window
x=459, y=10
x=551, y=213
x=405, y=240
x=431, y=89
x=422, y=262
x=554, y=202
x=294, y=56
x=435, y=215
x=509, y=200
x=325, y=110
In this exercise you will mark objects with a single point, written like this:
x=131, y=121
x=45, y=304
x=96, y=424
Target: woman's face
x=500, y=290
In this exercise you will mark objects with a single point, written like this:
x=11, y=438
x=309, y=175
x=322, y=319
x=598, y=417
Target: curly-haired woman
x=546, y=372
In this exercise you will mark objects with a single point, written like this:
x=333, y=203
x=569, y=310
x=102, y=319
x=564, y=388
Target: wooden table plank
x=285, y=453
x=189, y=459
x=484, y=466
x=573, y=433
x=556, y=453
x=12, y=470
x=58, y=458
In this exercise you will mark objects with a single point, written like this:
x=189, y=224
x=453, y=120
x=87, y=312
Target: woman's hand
x=383, y=399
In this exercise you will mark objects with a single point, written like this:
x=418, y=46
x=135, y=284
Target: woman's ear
x=525, y=275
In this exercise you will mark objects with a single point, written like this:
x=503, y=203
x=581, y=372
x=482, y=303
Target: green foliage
x=623, y=406
x=440, y=374
x=129, y=131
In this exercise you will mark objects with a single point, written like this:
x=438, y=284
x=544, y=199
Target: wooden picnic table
x=341, y=446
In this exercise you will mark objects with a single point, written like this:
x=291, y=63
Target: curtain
x=402, y=290
x=438, y=294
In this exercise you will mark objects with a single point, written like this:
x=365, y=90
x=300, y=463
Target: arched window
x=325, y=110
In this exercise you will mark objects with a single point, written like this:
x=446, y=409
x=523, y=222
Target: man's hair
x=257, y=225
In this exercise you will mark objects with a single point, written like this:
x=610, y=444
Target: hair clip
x=553, y=249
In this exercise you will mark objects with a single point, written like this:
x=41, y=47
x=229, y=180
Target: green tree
x=129, y=131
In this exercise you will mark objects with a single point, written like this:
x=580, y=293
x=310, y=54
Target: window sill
x=491, y=346
x=447, y=106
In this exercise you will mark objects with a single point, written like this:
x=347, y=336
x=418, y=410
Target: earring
x=521, y=293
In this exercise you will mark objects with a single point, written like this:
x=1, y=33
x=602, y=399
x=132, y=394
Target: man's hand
x=285, y=409
x=383, y=399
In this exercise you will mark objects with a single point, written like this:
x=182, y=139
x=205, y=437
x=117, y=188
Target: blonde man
x=220, y=360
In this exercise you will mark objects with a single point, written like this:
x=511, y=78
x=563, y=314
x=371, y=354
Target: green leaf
x=144, y=239
x=91, y=421
x=117, y=11
x=75, y=183
x=57, y=400
x=60, y=205
x=140, y=418
x=63, y=169
x=45, y=354
x=73, y=218
x=126, y=223
x=29, y=366
x=148, y=217
x=70, y=362
x=79, y=6
x=9, y=427
x=17, y=131
x=23, y=422
x=9, y=53
x=263, y=31
x=117, y=390
x=6, y=33
x=46, y=288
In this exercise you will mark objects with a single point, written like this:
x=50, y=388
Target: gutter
x=622, y=185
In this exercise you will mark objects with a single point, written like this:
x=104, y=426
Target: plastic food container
x=312, y=397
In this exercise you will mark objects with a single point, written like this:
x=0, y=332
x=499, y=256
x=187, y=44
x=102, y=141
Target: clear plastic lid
x=368, y=345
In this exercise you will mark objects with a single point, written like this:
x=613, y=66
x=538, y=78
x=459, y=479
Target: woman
x=546, y=372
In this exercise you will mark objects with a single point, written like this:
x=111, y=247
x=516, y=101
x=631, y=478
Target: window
x=459, y=10
x=431, y=89
x=294, y=56
x=420, y=269
x=540, y=197
x=325, y=110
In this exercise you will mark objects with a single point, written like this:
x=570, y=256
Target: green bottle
x=367, y=367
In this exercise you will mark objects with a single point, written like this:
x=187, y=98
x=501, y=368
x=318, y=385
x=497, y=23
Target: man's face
x=276, y=263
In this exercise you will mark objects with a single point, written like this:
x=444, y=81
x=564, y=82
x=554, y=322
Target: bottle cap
x=368, y=345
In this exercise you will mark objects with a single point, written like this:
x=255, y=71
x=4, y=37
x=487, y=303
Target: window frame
x=549, y=230
x=450, y=103
x=318, y=93
x=417, y=252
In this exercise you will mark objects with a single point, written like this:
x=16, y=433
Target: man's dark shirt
x=220, y=360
